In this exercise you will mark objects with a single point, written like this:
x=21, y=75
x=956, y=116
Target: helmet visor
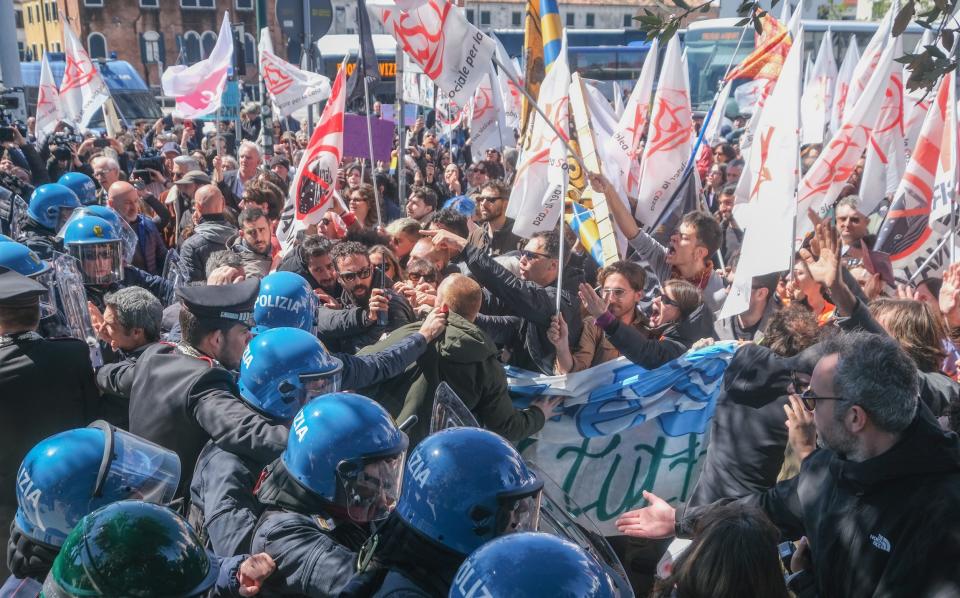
x=100, y=262
x=314, y=385
x=137, y=469
x=369, y=489
x=63, y=216
x=519, y=513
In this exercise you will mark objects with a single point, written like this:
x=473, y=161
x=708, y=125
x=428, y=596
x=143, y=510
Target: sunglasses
x=528, y=255
x=615, y=292
x=351, y=276
x=809, y=399
x=664, y=299
x=489, y=199
x=425, y=277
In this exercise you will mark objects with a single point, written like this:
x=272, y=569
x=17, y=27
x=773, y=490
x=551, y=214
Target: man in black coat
x=183, y=395
x=46, y=386
x=877, y=504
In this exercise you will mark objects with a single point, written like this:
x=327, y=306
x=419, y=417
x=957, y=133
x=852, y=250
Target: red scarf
x=701, y=280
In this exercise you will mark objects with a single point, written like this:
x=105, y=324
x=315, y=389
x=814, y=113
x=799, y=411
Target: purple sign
x=355, y=137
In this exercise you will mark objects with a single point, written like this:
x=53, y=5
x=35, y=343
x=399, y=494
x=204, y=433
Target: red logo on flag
x=668, y=128
x=205, y=92
x=77, y=74
x=275, y=79
x=424, y=42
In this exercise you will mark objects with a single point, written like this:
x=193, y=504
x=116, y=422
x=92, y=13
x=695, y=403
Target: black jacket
x=673, y=341
x=348, y=330
x=530, y=306
x=182, y=402
x=209, y=236
x=40, y=239
x=886, y=526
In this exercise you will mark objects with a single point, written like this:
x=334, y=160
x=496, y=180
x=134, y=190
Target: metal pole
x=308, y=54
x=373, y=169
x=401, y=130
x=266, y=114
x=563, y=207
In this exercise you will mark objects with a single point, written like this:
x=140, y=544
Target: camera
x=60, y=145
x=7, y=124
x=150, y=159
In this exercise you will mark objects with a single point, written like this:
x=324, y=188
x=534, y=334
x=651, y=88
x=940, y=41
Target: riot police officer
x=341, y=471
x=82, y=185
x=462, y=487
x=72, y=473
x=530, y=565
x=135, y=548
x=280, y=371
x=285, y=300
x=184, y=395
x=46, y=386
x=49, y=208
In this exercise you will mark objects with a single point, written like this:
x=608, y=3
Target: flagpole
x=933, y=254
x=373, y=170
x=401, y=129
x=543, y=115
x=561, y=260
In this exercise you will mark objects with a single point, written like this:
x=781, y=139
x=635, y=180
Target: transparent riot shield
x=556, y=507
x=173, y=274
x=128, y=236
x=72, y=304
x=449, y=411
x=12, y=211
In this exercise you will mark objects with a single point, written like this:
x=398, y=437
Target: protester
x=495, y=234
x=212, y=233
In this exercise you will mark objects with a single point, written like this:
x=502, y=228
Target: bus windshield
x=709, y=54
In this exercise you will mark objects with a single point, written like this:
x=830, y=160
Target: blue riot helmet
x=20, y=258
x=283, y=368
x=51, y=205
x=466, y=486
x=82, y=185
x=285, y=300
x=70, y=474
x=531, y=565
x=5, y=239
x=123, y=228
x=346, y=449
x=96, y=244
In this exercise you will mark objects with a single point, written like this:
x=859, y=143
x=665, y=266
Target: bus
x=134, y=100
x=713, y=45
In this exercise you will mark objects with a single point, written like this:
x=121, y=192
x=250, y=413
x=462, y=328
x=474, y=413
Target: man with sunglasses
x=495, y=233
x=367, y=293
x=875, y=507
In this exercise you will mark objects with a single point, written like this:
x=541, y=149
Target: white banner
x=488, y=127
x=198, y=89
x=48, y=102
x=669, y=140
x=818, y=93
x=539, y=187
x=841, y=89
x=82, y=89
x=289, y=87
x=438, y=37
x=917, y=102
x=510, y=95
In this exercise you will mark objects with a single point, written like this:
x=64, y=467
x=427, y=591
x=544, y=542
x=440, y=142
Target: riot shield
x=449, y=411
x=173, y=274
x=12, y=211
x=556, y=506
x=557, y=517
x=128, y=237
x=72, y=304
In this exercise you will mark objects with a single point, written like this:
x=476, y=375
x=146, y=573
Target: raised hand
x=823, y=257
x=802, y=432
x=656, y=520
x=591, y=301
x=950, y=295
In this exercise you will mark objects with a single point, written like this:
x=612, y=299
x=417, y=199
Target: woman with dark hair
x=919, y=331
x=381, y=255
x=363, y=205
x=733, y=555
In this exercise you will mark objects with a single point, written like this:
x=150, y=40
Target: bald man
x=151, y=251
x=211, y=233
x=466, y=359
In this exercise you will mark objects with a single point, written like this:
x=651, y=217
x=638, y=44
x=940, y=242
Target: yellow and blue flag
x=582, y=223
x=552, y=31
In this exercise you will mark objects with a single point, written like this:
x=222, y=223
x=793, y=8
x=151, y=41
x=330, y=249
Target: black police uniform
x=180, y=398
x=46, y=386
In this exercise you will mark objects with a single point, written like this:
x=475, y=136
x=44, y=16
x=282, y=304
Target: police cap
x=17, y=290
x=222, y=302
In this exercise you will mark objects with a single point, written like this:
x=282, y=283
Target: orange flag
x=771, y=48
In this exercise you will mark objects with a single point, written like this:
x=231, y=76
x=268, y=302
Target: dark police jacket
x=46, y=386
x=181, y=402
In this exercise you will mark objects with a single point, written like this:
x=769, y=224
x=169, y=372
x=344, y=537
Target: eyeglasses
x=489, y=199
x=528, y=255
x=424, y=276
x=615, y=292
x=809, y=399
x=351, y=276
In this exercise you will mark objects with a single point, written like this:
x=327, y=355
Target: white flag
x=917, y=102
x=886, y=154
x=718, y=118
x=818, y=93
x=767, y=219
x=821, y=185
x=667, y=150
x=488, y=127
x=438, y=37
x=623, y=146
x=510, y=95
x=618, y=106
x=48, y=102
x=540, y=185
x=841, y=89
x=289, y=87
x=82, y=90
x=869, y=60
x=198, y=89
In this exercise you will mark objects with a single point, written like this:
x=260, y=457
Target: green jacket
x=466, y=359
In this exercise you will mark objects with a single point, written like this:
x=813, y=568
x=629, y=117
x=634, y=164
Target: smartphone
x=101, y=142
x=383, y=318
x=143, y=175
